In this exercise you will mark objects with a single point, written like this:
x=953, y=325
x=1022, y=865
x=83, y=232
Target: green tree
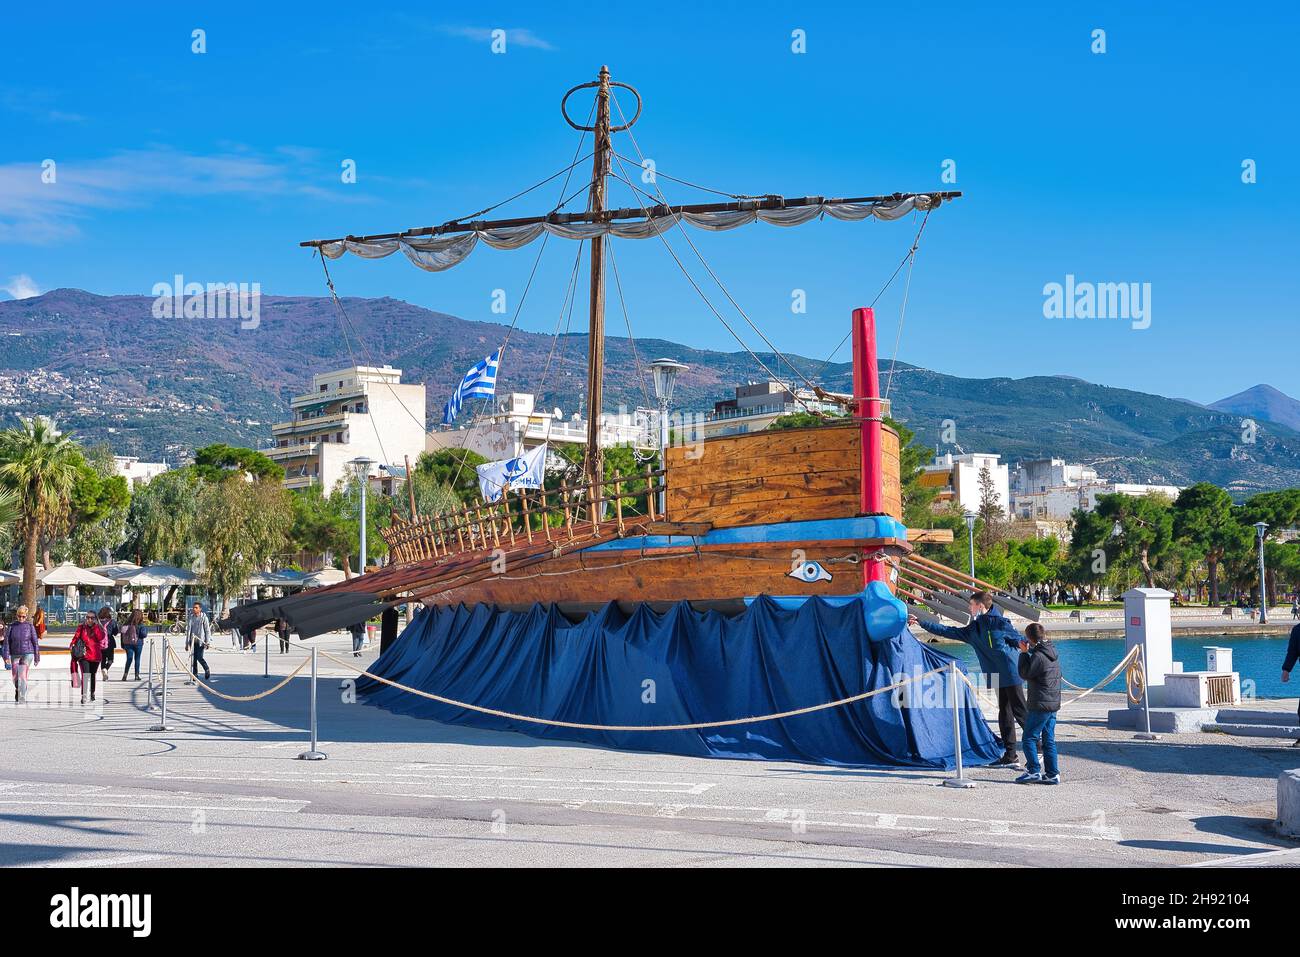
x=1141, y=530
x=240, y=525
x=160, y=521
x=99, y=504
x=454, y=468
x=805, y=420
x=41, y=467
x=213, y=462
x=1205, y=521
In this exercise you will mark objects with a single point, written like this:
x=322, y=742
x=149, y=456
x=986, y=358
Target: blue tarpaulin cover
x=685, y=666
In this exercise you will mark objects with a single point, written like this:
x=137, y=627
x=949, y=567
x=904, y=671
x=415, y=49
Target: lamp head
x=664, y=372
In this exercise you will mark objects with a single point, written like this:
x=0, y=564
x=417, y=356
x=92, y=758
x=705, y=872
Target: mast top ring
x=604, y=83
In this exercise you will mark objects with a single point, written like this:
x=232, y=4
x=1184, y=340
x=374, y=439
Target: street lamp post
x=362, y=465
x=970, y=532
x=664, y=373
x=1260, y=529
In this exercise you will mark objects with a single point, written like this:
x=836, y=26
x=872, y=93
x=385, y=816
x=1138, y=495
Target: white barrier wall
x=1146, y=623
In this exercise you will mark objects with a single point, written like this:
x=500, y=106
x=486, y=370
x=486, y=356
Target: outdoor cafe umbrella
x=69, y=575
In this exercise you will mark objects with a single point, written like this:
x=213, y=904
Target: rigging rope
x=618, y=285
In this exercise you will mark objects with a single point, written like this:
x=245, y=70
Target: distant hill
x=1265, y=403
x=111, y=372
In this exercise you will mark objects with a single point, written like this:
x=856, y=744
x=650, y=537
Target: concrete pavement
x=94, y=787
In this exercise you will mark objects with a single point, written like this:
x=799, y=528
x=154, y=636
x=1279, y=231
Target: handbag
x=79, y=647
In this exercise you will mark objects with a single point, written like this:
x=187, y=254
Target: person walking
x=1040, y=666
x=132, y=643
x=198, y=635
x=358, y=631
x=112, y=631
x=282, y=629
x=22, y=649
x=87, y=647
x=38, y=622
x=1292, y=654
x=995, y=641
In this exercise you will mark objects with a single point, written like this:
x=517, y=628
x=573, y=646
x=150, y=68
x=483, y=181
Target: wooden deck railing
x=523, y=517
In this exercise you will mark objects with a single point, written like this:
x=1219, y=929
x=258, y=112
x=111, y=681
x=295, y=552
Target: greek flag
x=479, y=382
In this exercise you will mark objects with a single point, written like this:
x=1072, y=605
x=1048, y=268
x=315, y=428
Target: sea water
x=1256, y=658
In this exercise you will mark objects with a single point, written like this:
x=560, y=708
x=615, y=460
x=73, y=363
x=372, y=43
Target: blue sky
x=1124, y=166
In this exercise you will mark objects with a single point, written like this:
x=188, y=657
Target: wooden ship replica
x=790, y=514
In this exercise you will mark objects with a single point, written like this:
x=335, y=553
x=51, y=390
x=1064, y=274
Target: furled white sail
x=436, y=253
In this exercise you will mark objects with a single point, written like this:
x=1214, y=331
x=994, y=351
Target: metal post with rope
x=960, y=781
x=162, y=721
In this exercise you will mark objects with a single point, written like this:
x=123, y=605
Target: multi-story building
x=135, y=472
x=957, y=477
x=1057, y=504
x=755, y=407
x=1038, y=475
x=360, y=411
x=515, y=426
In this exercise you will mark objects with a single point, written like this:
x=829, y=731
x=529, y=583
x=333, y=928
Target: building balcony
x=292, y=451
x=308, y=399
x=310, y=423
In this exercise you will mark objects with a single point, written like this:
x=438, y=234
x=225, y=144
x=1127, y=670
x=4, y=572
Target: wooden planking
x=777, y=476
x=619, y=576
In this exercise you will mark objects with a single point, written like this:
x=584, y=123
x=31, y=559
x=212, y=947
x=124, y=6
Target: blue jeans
x=1041, y=724
x=132, y=653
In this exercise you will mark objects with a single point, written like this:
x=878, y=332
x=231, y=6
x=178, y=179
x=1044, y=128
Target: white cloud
x=519, y=36
x=34, y=211
x=21, y=287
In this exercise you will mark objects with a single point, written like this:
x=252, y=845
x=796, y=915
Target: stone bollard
x=1288, y=803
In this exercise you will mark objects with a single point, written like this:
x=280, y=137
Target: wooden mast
x=594, y=460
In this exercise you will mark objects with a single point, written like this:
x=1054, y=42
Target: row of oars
x=927, y=584
x=492, y=525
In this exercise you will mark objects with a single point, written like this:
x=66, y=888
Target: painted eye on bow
x=810, y=572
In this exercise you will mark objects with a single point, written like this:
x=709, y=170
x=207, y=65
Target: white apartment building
x=755, y=407
x=1038, y=475
x=135, y=472
x=347, y=414
x=1058, y=503
x=516, y=425
x=957, y=477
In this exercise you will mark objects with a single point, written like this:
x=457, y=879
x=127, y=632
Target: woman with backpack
x=108, y=622
x=132, y=637
x=87, y=649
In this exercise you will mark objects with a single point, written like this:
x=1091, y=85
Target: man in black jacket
x=1040, y=666
x=1292, y=653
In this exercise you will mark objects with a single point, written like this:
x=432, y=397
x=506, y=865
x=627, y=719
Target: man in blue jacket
x=1292, y=653
x=997, y=646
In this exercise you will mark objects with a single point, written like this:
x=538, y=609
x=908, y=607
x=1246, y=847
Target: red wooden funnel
x=867, y=408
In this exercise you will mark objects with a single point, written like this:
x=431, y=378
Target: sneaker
x=1297, y=744
x=1030, y=777
x=1051, y=779
x=1006, y=761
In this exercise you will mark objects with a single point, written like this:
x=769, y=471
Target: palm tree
x=39, y=466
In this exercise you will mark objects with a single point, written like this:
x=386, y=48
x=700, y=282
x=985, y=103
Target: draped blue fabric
x=685, y=666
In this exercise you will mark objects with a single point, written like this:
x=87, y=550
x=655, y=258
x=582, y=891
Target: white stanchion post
x=266, y=657
x=162, y=721
x=148, y=705
x=960, y=781
x=1146, y=701
x=313, y=754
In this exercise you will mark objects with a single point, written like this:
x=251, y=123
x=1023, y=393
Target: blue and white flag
x=526, y=471
x=479, y=382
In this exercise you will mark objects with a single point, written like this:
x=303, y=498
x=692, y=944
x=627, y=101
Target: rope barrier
x=1129, y=661
x=231, y=697
x=695, y=726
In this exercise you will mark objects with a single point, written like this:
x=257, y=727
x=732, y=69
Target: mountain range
x=110, y=372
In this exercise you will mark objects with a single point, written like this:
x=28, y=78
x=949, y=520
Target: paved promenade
x=93, y=787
